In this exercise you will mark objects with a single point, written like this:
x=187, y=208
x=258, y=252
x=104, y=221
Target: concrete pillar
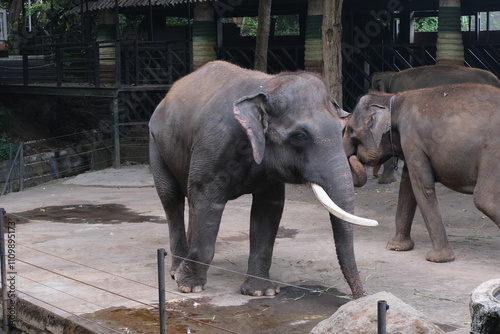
x=313, y=53
x=204, y=34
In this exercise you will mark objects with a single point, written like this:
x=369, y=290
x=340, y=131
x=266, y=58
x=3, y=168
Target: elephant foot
x=258, y=287
x=188, y=281
x=443, y=255
x=400, y=244
x=387, y=178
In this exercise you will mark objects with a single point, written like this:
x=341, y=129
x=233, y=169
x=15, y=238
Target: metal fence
x=360, y=63
x=98, y=64
x=35, y=162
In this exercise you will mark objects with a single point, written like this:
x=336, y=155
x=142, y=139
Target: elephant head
x=367, y=139
x=300, y=145
x=381, y=81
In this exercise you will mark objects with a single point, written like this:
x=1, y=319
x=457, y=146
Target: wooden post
x=262, y=41
x=332, y=53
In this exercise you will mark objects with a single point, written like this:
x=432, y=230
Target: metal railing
x=360, y=63
x=96, y=64
x=279, y=58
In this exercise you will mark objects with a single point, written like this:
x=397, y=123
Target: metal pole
x=116, y=131
x=21, y=166
x=161, y=253
x=10, y=173
x=382, y=308
x=5, y=300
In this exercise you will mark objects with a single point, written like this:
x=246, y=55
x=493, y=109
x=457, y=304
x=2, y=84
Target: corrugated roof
x=109, y=4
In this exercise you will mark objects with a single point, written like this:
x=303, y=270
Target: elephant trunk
x=338, y=188
x=358, y=171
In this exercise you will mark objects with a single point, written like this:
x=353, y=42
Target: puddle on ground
x=293, y=310
x=88, y=214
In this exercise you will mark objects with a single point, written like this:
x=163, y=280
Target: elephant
x=224, y=131
x=424, y=77
x=446, y=134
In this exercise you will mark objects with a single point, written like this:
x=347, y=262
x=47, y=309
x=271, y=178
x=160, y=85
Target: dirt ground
x=111, y=222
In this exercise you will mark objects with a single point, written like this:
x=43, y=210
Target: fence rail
x=360, y=63
x=98, y=63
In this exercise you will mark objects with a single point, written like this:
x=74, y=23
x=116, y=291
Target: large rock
x=360, y=317
x=485, y=308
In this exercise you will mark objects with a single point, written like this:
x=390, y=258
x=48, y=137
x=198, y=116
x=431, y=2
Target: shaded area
x=294, y=310
x=89, y=214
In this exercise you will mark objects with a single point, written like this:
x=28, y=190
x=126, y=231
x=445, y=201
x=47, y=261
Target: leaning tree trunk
x=262, y=42
x=450, y=48
x=332, y=55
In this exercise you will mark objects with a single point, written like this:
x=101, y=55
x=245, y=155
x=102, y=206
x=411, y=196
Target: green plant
x=4, y=150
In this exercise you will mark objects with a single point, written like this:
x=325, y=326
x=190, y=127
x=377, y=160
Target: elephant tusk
x=335, y=210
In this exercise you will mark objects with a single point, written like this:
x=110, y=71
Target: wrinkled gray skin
x=224, y=131
x=447, y=134
x=424, y=77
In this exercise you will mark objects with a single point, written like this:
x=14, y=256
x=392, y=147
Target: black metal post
x=9, y=176
x=116, y=131
x=382, y=308
x=5, y=300
x=161, y=253
x=21, y=166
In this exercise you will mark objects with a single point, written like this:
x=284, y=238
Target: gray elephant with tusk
x=224, y=131
x=447, y=134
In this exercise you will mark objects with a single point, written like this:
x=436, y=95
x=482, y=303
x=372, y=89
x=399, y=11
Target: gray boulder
x=485, y=308
x=360, y=317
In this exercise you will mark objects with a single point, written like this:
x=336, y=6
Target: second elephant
x=425, y=77
x=448, y=134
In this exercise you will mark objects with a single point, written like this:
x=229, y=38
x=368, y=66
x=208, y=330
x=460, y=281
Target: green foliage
x=4, y=150
x=286, y=25
x=4, y=147
x=426, y=24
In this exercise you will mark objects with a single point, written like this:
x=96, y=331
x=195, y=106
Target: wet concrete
x=293, y=310
x=88, y=214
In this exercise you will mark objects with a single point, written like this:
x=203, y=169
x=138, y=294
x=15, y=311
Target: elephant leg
x=388, y=172
x=267, y=208
x=204, y=220
x=487, y=193
x=407, y=205
x=172, y=200
x=423, y=183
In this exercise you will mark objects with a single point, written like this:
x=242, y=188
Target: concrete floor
x=103, y=257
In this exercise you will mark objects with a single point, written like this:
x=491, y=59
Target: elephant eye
x=299, y=138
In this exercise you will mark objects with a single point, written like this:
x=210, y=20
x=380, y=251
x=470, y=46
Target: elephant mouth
x=358, y=171
x=335, y=210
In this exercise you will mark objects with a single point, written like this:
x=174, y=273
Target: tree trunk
x=263, y=35
x=450, y=48
x=15, y=9
x=332, y=55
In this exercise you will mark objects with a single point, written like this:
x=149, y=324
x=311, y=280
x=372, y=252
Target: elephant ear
x=341, y=113
x=378, y=122
x=250, y=113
